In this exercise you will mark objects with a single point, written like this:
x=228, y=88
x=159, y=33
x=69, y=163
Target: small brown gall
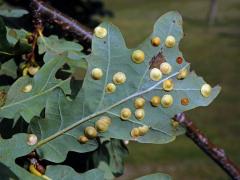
x=155, y=74
x=139, y=102
x=90, y=132
x=206, y=90
x=138, y=56
x=125, y=113
x=184, y=101
x=100, y=32
x=139, y=114
x=155, y=41
x=110, y=88
x=179, y=60
x=155, y=101
x=170, y=42
x=32, y=139
x=135, y=132
x=27, y=88
x=182, y=74
x=143, y=130
x=165, y=68
x=168, y=85
x=97, y=73
x=167, y=100
x=119, y=78
x=83, y=139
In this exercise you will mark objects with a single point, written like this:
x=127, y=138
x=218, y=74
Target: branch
x=217, y=154
x=214, y=152
x=49, y=14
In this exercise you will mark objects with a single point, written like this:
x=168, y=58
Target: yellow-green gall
x=143, y=130
x=119, y=78
x=97, y=73
x=155, y=74
x=110, y=88
x=135, y=132
x=139, y=102
x=100, y=32
x=182, y=74
x=90, y=132
x=167, y=101
x=125, y=113
x=32, y=139
x=138, y=56
x=165, y=68
x=139, y=114
x=170, y=41
x=83, y=139
x=27, y=88
x=155, y=101
x=156, y=41
x=32, y=70
x=206, y=90
x=168, y=85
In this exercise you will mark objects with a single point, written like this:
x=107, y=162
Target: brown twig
x=52, y=15
x=215, y=153
x=32, y=39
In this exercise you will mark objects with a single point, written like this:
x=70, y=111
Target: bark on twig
x=38, y=28
x=215, y=153
x=52, y=15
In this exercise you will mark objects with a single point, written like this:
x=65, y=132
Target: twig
x=52, y=15
x=38, y=28
x=214, y=152
x=217, y=154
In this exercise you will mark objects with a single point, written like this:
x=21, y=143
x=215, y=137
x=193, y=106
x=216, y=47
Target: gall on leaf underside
x=110, y=54
x=66, y=119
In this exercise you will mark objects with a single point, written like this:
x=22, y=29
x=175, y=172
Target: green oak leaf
x=60, y=172
x=111, y=55
x=9, y=68
x=156, y=176
x=30, y=104
x=4, y=45
x=52, y=46
x=15, y=35
x=7, y=49
x=6, y=173
x=113, y=152
x=57, y=149
x=13, y=13
x=106, y=169
x=10, y=150
x=17, y=147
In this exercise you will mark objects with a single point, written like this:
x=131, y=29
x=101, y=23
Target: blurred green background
x=214, y=53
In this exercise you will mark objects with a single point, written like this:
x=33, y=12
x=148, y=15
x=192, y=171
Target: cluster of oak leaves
x=69, y=101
